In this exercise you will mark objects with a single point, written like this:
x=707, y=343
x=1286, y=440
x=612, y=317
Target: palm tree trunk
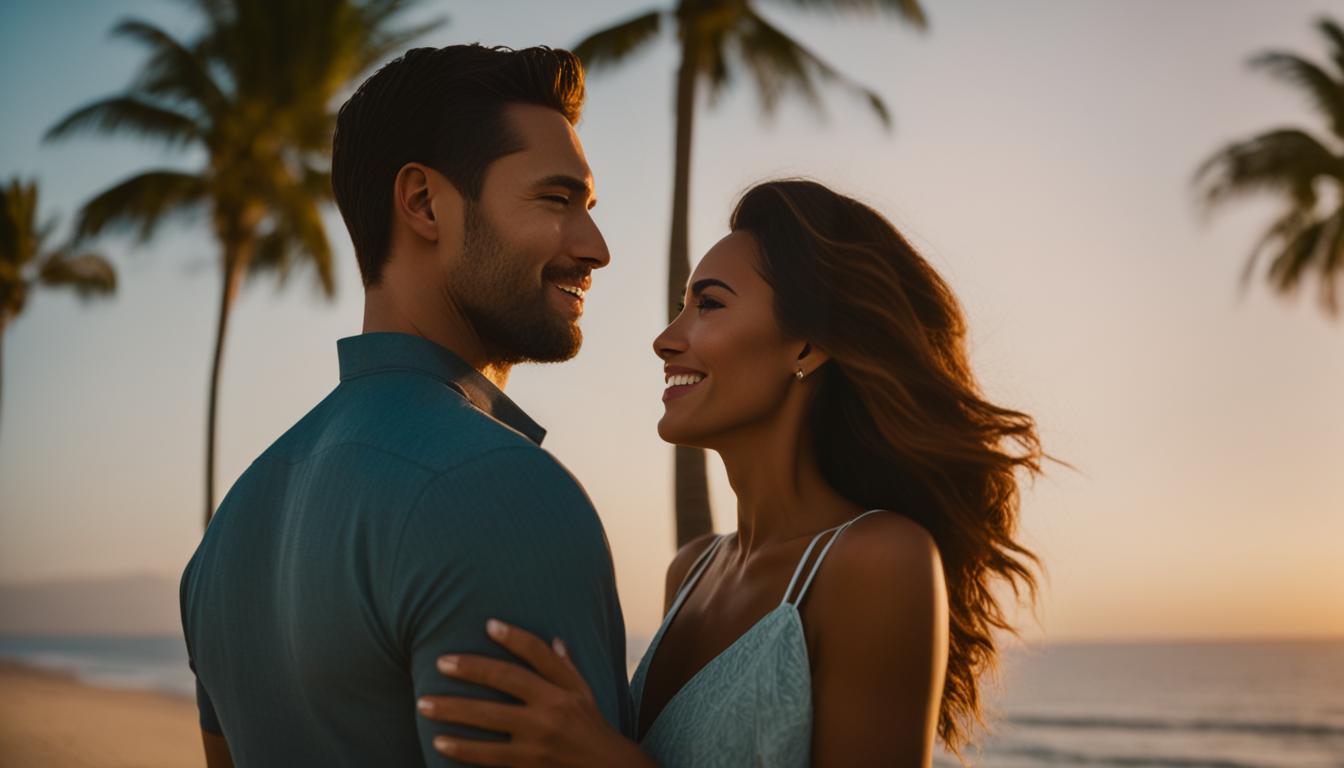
x=4, y=325
x=690, y=483
x=233, y=273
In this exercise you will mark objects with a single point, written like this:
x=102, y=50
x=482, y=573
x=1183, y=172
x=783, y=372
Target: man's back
x=381, y=531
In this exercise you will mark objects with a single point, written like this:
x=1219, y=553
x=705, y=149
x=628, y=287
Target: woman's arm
x=877, y=618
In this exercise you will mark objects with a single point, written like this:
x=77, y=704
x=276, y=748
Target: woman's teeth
x=682, y=380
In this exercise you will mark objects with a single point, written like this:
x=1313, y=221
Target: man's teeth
x=682, y=380
x=572, y=290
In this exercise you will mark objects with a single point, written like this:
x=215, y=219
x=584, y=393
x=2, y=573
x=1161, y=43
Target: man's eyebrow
x=700, y=285
x=572, y=183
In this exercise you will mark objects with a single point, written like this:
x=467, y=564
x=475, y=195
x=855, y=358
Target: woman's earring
x=799, y=373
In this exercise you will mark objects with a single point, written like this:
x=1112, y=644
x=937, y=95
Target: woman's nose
x=669, y=342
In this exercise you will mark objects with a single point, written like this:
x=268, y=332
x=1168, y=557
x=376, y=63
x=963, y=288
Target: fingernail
x=448, y=664
x=558, y=646
x=496, y=629
x=424, y=705
x=444, y=744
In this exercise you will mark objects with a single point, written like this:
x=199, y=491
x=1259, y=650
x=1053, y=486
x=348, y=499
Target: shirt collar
x=376, y=352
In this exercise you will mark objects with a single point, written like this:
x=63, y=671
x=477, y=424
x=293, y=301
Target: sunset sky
x=1041, y=158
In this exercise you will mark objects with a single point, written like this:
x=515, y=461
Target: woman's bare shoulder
x=885, y=569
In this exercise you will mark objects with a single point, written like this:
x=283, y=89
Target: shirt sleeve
x=209, y=720
x=509, y=535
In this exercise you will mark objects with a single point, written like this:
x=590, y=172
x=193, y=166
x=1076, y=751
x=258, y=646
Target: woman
x=847, y=620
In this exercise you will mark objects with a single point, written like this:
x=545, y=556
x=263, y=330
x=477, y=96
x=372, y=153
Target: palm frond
x=613, y=44
x=781, y=64
x=13, y=291
x=1332, y=266
x=1326, y=92
x=908, y=10
x=1312, y=248
x=1282, y=229
x=20, y=238
x=142, y=202
x=381, y=42
x=715, y=65
x=1286, y=160
x=130, y=115
x=1335, y=35
x=295, y=234
x=173, y=72
x=90, y=275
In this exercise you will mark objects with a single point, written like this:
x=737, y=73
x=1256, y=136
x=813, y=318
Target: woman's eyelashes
x=702, y=304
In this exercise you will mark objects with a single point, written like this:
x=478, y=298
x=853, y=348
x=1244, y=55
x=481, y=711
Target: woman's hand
x=557, y=723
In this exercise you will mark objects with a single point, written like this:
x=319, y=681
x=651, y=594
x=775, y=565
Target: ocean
x=1122, y=705
x=1168, y=705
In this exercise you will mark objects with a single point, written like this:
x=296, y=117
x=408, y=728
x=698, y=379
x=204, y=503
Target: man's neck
x=450, y=331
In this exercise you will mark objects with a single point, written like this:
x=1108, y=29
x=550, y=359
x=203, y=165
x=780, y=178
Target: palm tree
x=718, y=39
x=26, y=261
x=1307, y=237
x=255, y=93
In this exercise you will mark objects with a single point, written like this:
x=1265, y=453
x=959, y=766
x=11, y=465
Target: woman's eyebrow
x=700, y=285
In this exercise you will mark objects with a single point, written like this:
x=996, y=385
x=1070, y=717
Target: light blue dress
x=752, y=704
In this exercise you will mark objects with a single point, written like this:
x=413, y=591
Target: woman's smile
x=680, y=381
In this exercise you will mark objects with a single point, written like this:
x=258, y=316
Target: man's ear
x=421, y=197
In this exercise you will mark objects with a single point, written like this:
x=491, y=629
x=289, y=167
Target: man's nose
x=589, y=246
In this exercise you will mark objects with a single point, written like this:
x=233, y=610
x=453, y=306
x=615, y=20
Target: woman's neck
x=781, y=493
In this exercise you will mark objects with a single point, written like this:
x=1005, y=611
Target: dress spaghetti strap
x=812, y=574
x=693, y=575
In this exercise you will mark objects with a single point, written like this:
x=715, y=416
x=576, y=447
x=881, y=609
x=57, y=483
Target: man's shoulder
x=512, y=475
x=407, y=417
x=508, y=492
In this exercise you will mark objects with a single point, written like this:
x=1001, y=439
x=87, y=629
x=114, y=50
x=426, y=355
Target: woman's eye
x=701, y=304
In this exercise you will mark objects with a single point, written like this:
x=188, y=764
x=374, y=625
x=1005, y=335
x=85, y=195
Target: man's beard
x=513, y=317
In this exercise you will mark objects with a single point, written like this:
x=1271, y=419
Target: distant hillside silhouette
x=129, y=604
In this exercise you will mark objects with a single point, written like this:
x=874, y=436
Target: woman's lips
x=674, y=391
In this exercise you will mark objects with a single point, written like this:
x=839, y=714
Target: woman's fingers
x=562, y=651
x=545, y=658
x=504, y=676
x=490, y=715
x=477, y=752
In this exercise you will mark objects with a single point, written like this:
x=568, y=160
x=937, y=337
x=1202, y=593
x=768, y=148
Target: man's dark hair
x=443, y=107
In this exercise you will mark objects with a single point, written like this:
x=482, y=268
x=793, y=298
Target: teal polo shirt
x=379, y=532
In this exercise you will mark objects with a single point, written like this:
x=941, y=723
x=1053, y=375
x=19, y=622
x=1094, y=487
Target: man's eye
x=561, y=199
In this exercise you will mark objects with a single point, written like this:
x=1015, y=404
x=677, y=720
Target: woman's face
x=726, y=362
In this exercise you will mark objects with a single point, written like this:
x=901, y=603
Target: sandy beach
x=50, y=719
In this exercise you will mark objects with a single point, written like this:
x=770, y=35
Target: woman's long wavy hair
x=899, y=421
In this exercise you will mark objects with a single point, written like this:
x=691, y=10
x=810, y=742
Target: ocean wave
x=1258, y=728
x=1042, y=755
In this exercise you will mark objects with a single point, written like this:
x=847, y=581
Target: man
x=414, y=503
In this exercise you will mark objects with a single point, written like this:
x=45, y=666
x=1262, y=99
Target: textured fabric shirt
x=381, y=531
